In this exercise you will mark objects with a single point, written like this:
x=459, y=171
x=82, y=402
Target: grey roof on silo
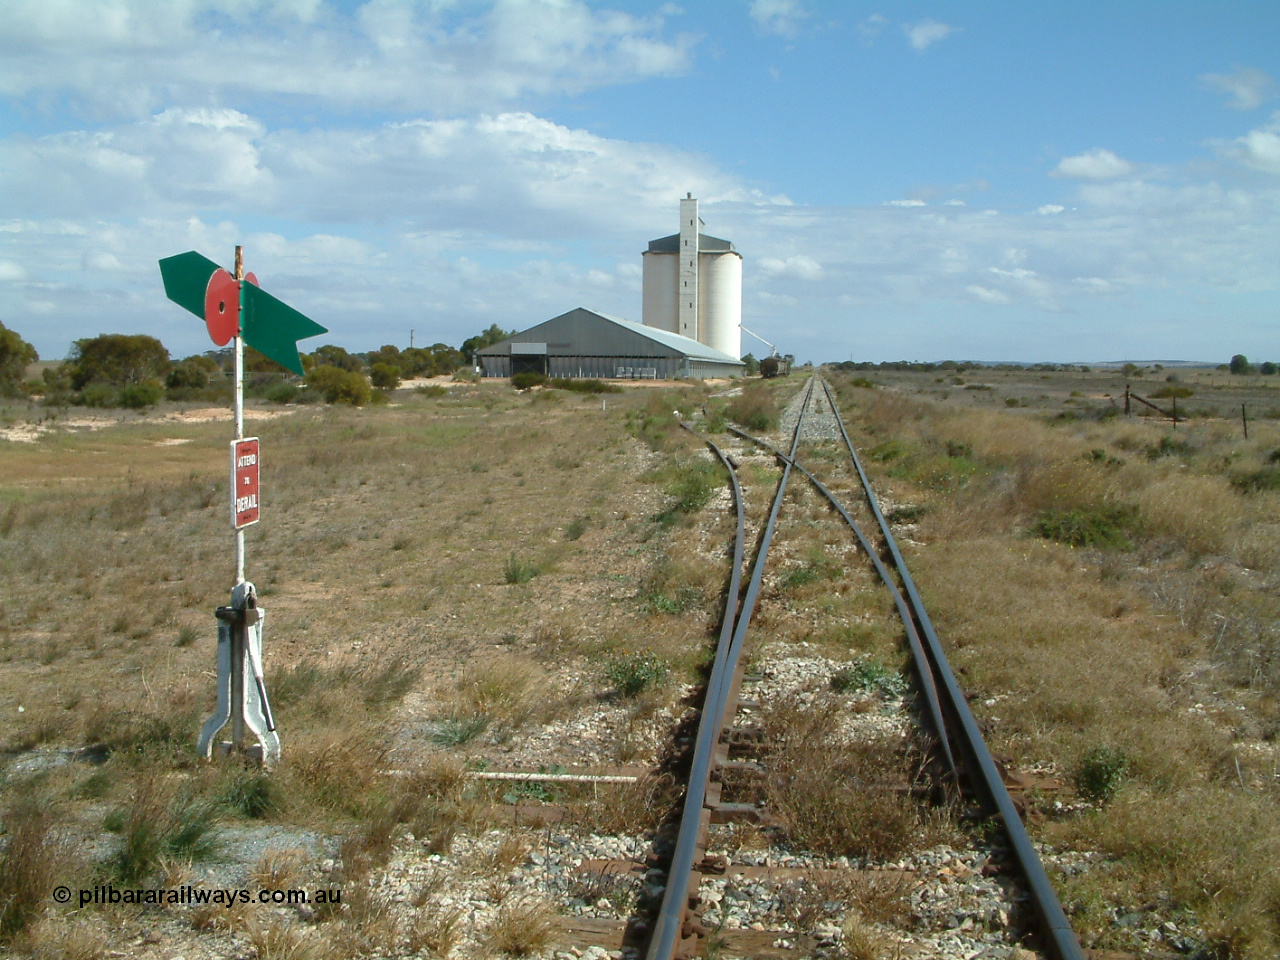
x=706, y=244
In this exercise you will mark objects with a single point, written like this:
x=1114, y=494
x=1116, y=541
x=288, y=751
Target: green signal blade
x=273, y=328
x=186, y=277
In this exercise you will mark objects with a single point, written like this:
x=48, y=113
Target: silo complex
x=693, y=285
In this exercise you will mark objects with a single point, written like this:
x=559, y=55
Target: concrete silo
x=692, y=285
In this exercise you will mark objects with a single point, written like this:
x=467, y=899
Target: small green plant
x=868, y=676
x=431, y=390
x=633, y=673
x=186, y=636
x=1169, y=447
x=691, y=484
x=1100, y=773
x=577, y=527
x=907, y=513
x=661, y=601
x=455, y=731
x=154, y=828
x=517, y=570
x=1107, y=526
x=250, y=793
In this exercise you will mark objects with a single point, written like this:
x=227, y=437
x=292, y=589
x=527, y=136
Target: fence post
x=1244, y=421
x=1175, y=413
x=1126, y=400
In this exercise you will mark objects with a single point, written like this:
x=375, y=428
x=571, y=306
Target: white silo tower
x=692, y=285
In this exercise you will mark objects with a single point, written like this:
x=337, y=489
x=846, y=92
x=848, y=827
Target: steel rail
x=671, y=914
x=1059, y=938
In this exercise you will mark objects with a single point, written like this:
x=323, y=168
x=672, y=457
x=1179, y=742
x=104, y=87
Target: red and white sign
x=244, y=482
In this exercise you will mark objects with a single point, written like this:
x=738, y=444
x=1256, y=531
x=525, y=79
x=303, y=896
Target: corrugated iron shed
x=585, y=343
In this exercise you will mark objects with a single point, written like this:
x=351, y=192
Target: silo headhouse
x=693, y=285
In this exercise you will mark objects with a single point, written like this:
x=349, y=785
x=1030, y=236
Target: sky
x=999, y=181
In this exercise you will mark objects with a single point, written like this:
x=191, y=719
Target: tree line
x=135, y=370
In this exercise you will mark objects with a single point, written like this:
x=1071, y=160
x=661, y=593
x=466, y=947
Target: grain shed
x=584, y=343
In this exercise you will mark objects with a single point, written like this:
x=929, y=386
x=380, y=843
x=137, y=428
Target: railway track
x=961, y=759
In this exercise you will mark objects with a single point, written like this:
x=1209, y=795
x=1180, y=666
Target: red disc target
x=222, y=307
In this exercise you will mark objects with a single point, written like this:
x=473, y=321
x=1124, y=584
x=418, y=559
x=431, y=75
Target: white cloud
x=11, y=272
x=128, y=57
x=1259, y=148
x=778, y=16
x=1247, y=87
x=514, y=175
x=798, y=267
x=871, y=27
x=906, y=203
x=987, y=295
x=100, y=260
x=927, y=32
x=1096, y=164
x=1049, y=209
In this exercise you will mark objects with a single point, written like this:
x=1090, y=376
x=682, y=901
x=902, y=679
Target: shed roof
x=583, y=332
x=706, y=244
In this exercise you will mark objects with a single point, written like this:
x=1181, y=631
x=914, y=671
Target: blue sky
x=993, y=181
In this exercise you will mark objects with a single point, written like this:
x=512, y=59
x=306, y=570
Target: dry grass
x=58, y=938
x=522, y=927
x=279, y=940
x=839, y=798
x=1081, y=649
x=859, y=940
x=29, y=865
x=436, y=927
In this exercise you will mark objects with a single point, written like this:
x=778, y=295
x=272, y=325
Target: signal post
x=235, y=309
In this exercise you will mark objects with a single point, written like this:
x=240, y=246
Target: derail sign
x=244, y=482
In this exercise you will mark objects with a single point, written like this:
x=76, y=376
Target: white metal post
x=239, y=407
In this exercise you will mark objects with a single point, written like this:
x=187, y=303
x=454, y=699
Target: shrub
x=1100, y=773
x=189, y=375
x=584, y=385
x=282, y=392
x=1268, y=478
x=755, y=409
x=145, y=394
x=528, y=379
x=1105, y=526
x=97, y=395
x=431, y=390
x=339, y=386
x=633, y=673
x=384, y=376
x=577, y=527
